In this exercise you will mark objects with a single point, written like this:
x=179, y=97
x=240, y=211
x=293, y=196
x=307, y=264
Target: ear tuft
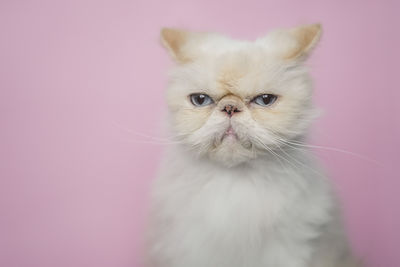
x=306, y=37
x=174, y=40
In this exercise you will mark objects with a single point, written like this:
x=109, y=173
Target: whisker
x=274, y=153
x=297, y=144
x=335, y=150
x=299, y=162
x=153, y=142
x=141, y=134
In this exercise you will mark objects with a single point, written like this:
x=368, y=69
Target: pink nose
x=230, y=110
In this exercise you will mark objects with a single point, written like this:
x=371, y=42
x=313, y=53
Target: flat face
x=237, y=78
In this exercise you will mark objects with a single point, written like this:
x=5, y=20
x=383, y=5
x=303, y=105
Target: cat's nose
x=230, y=110
x=230, y=105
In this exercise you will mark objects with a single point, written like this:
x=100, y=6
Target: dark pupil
x=267, y=99
x=200, y=99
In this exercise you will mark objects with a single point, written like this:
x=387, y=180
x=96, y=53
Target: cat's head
x=232, y=101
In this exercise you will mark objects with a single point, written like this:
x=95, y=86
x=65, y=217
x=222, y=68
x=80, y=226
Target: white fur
x=251, y=201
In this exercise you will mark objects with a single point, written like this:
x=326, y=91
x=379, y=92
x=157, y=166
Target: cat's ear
x=177, y=42
x=294, y=44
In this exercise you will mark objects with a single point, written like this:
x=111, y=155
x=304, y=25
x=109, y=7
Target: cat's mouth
x=229, y=134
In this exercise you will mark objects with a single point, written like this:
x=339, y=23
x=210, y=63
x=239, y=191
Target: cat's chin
x=231, y=152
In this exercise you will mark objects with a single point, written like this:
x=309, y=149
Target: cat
x=238, y=188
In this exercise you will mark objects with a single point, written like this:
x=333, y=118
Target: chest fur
x=240, y=216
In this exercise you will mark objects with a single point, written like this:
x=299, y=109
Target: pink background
x=80, y=79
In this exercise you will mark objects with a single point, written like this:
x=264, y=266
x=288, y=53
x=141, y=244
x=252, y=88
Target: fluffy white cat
x=239, y=188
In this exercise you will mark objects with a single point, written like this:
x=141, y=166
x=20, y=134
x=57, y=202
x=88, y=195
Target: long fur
x=257, y=198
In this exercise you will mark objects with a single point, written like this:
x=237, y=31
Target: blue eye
x=265, y=100
x=201, y=100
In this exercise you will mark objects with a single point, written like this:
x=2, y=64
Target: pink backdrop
x=80, y=79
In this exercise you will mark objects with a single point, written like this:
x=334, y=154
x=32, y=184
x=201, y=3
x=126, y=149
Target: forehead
x=243, y=72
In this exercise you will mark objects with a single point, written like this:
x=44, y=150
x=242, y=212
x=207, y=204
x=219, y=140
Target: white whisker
x=298, y=145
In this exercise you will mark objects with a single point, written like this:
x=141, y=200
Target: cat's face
x=232, y=100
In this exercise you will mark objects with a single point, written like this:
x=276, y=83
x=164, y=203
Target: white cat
x=239, y=189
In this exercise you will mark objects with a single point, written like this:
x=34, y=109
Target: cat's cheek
x=270, y=118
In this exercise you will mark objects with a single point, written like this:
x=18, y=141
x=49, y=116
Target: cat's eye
x=265, y=99
x=201, y=100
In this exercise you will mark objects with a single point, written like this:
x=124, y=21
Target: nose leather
x=230, y=104
x=230, y=109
